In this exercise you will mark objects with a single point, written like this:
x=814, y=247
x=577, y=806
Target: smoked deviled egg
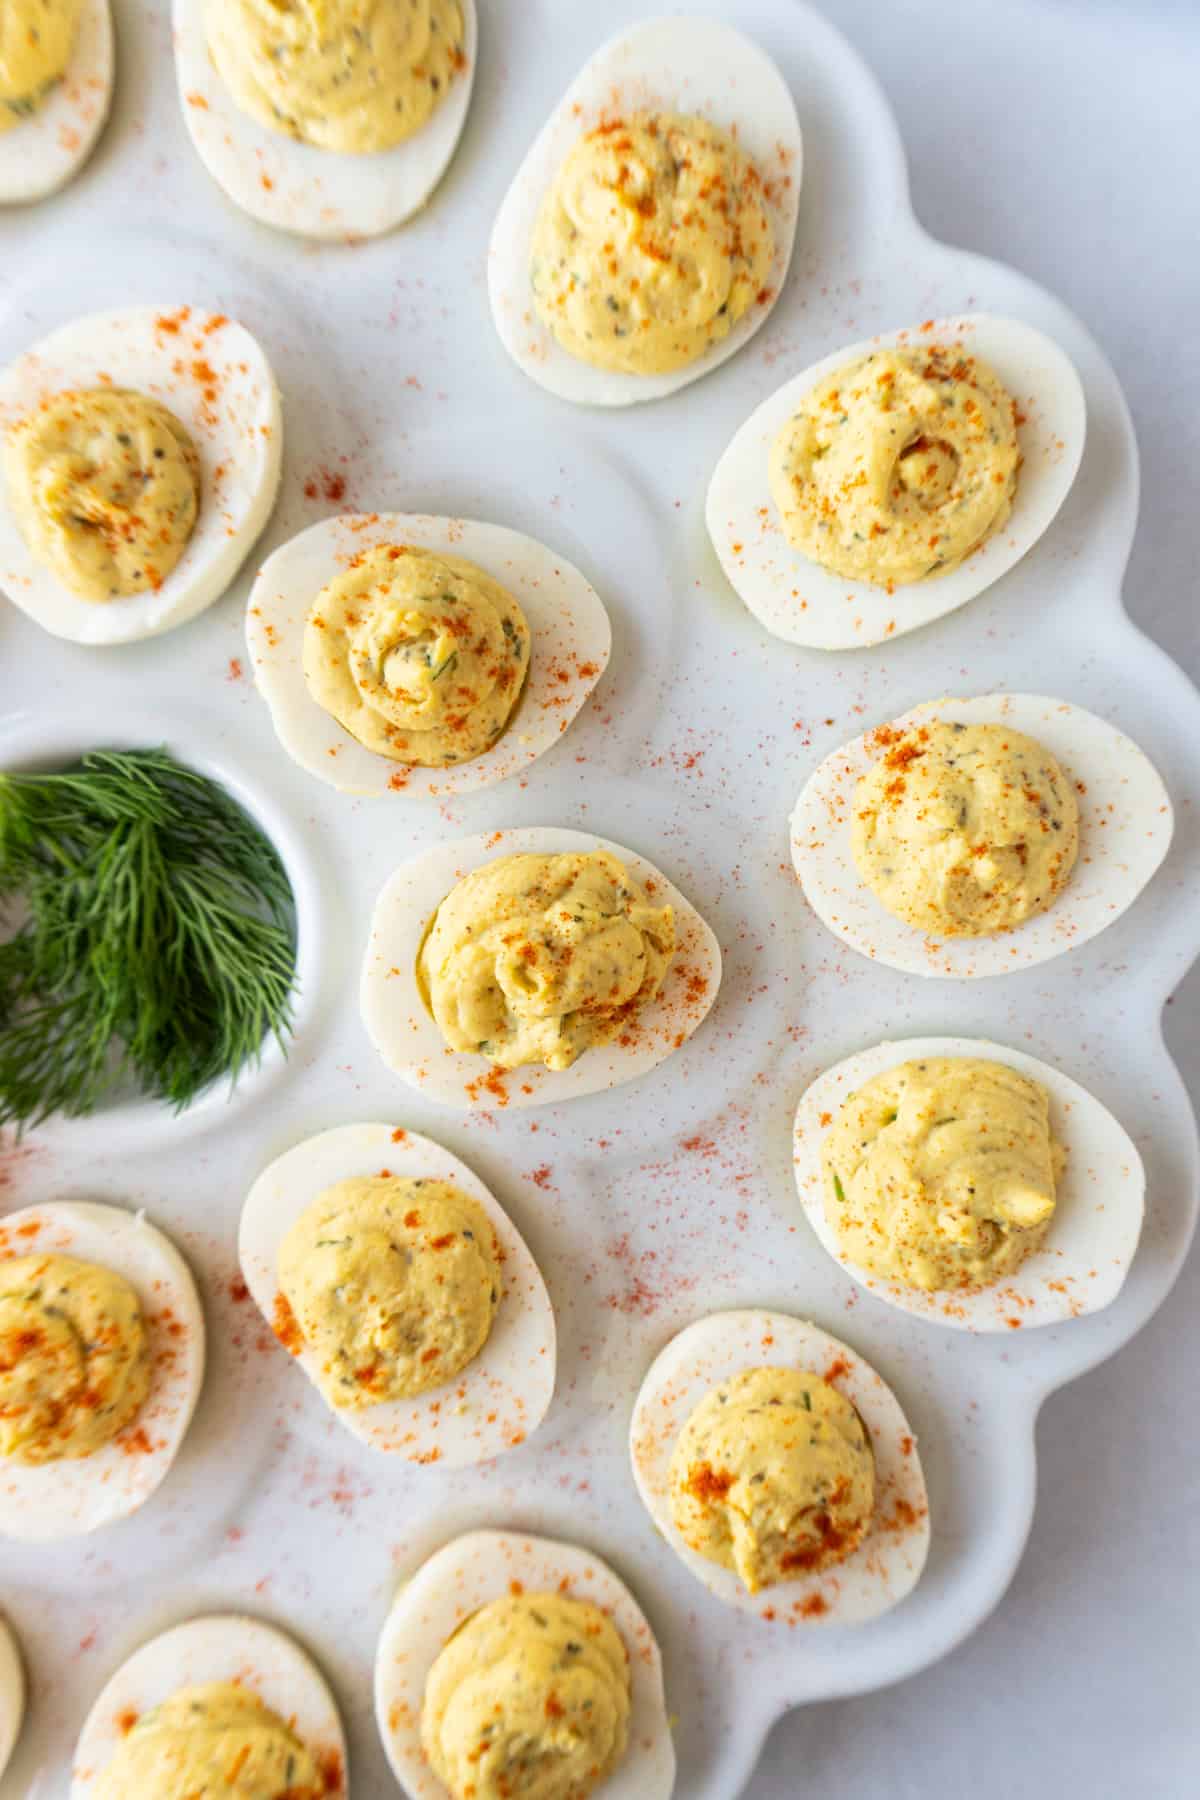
x=56, y=86
x=969, y=1184
x=12, y=1694
x=330, y=121
x=139, y=461
x=101, y=1361
x=402, y=653
x=975, y=837
x=515, y=1665
x=524, y=967
x=221, y=1704
x=781, y=1468
x=648, y=232
x=895, y=480
x=404, y=1291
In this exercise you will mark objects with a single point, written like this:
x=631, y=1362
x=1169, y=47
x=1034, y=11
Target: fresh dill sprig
x=157, y=936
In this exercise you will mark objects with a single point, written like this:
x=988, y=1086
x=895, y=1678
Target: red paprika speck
x=541, y=1177
x=837, y=1369
x=238, y=1291
x=235, y=669
x=813, y=1607
x=325, y=482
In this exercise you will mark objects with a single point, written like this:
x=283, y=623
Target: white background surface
x=1060, y=136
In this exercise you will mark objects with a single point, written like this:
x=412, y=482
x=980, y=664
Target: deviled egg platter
x=404, y=653
x=216, y=1694
x=517, y=1664
x=969, y=1184
x=140, y=460
x=12, y=1694
x=980, y=836
x=103, y=1357
x=895, y=480
x=647, y=234
x=781, y=1469
x=56, y=87
x=335, y=121
x=405, y=1293
x=523, y=967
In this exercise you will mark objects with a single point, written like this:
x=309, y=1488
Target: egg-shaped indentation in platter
x=51, y=142
x=888, y=1561
x=805, y=603
x=1125, y=827
x=229, y=1650
x=12, y=1693
x=408, y=1039
x=1081, y=1264
x=570, y=641
x=484, y=1566
x=214, y=378
x=683, y=65
x=502, y=1394
x=300, y=187
x=70, y=1496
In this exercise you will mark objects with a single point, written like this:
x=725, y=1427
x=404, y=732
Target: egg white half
x=41, y=154
x=77, y=1495
x=680, y=64
x=235, y=422
x=502, y=1395
x=1093, y=1236
x=454, y=1583
x=298, y=187
x=888, y=1563
x=218, y=1647
x=12, y=1693
x=408, y=1039
x=802, y=602
x=569, y=652
x=1125, y=827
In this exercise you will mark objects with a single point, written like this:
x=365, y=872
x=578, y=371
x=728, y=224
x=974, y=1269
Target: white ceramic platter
x=674, y=1196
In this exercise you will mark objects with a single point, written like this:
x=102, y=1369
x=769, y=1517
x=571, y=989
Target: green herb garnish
x=156, y=938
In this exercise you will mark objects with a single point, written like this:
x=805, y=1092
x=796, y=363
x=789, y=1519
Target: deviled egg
x=404, y=1291
x=12, y=1694
x=402, y=653
x=103, y=1357
x=335, y=121
x=56, y=86
x=141, y=458
x=969, y=1184
x=897, y=479
x=216, y=1694
x=781, y=1468
x=524, y=967
x=975, y=837
x=648, y=232
x=516, y=1664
